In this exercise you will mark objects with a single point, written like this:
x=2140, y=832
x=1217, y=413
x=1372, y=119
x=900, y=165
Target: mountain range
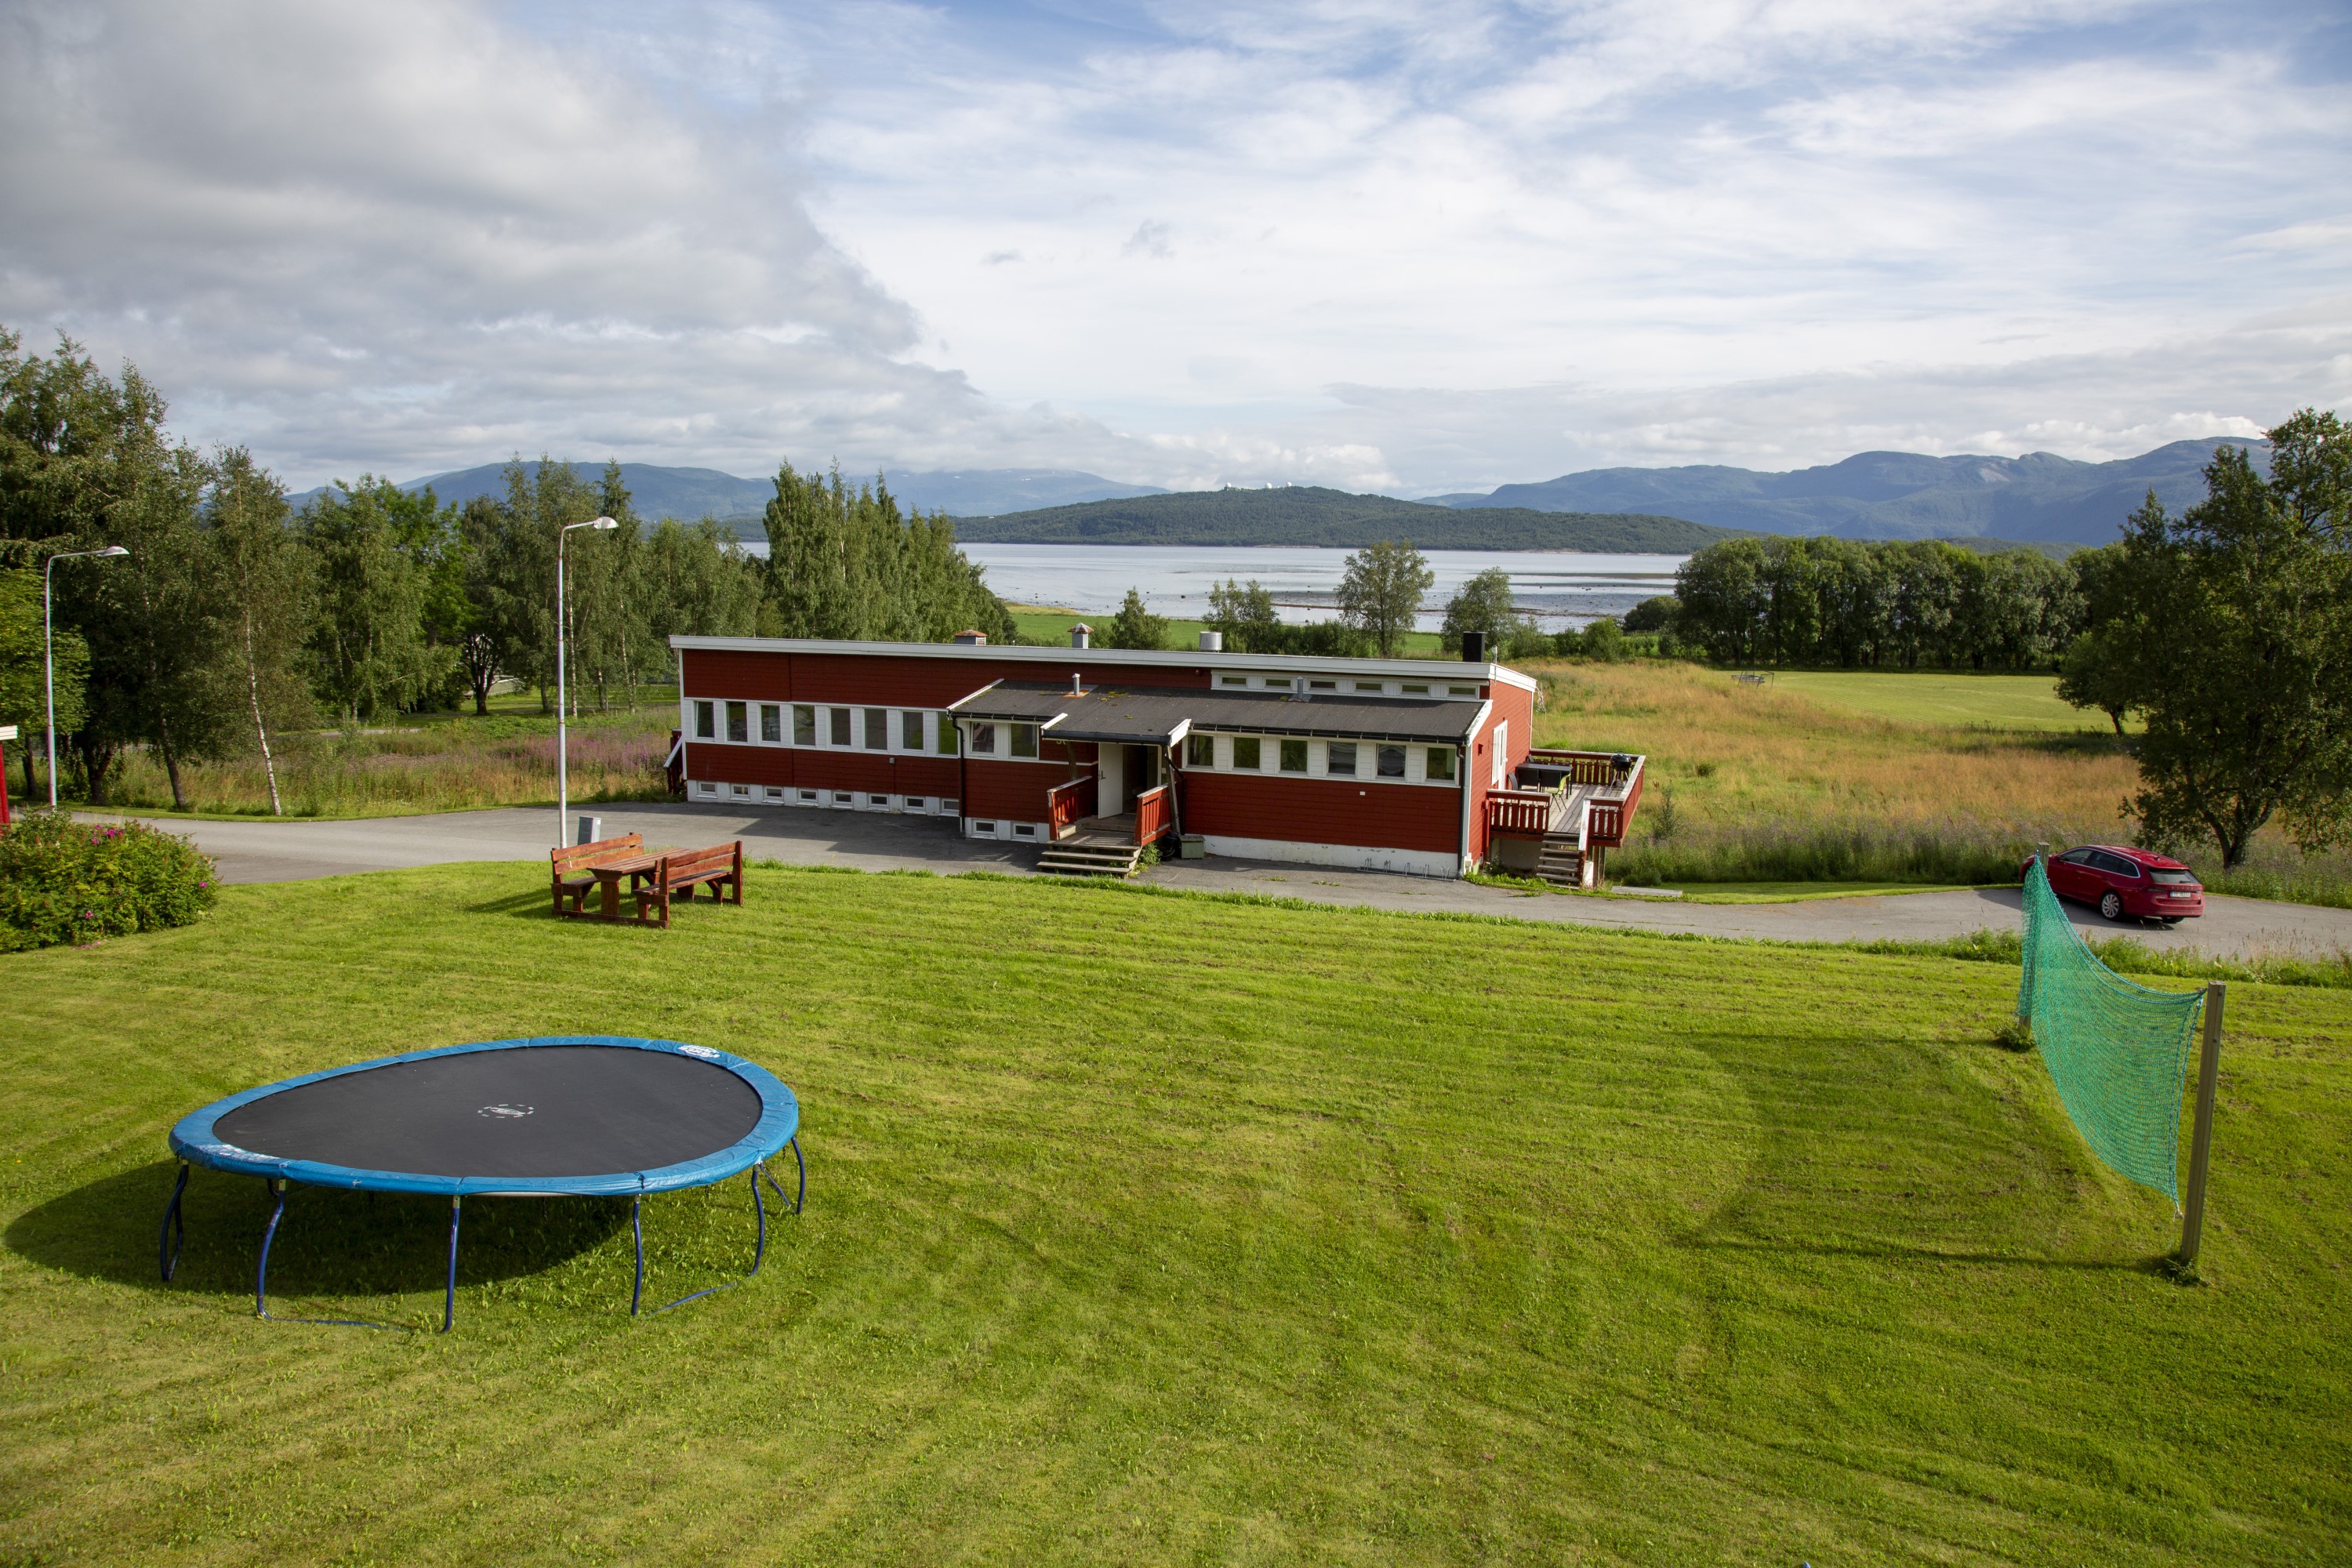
x=691, y=493
x=1311, y=515
x=2037, y=498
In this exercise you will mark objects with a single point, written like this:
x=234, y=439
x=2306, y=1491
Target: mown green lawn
x=1144, y=1229
x=1947, y=698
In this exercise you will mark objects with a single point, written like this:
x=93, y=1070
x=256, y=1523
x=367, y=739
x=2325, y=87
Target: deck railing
x=1067, y=803
x=674, y=765
x=1155, y=814
x=1606, y=819
x=1519, y=813
x=1583, y=767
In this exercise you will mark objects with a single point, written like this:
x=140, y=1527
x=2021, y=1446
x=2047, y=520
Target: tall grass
x=455, y=764
x=1766, y=783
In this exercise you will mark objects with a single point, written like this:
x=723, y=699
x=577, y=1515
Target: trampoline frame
x=195, y=1143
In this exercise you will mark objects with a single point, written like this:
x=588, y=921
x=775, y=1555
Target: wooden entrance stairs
x=1560, y=862
x=1095, y=847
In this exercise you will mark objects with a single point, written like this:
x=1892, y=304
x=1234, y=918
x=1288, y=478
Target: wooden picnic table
x=608, y=874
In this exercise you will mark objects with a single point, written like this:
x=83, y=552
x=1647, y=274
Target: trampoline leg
x=803, y=1165
x=637, y=1226
x=167, y=1248
x=449, y=1295
x=759, y=1211
x=262, y=1274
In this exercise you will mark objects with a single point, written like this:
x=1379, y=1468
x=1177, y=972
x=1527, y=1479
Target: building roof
x=1139, y=658
x=1162, y=715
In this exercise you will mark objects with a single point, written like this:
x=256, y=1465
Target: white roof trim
x=1300, y=664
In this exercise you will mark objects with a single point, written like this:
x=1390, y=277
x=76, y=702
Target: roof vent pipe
x=1474, y=647
x=1081, y=635
x=1212, y=642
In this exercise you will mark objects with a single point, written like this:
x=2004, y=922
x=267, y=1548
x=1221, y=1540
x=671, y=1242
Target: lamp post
x=562, y=704
x=48, y=651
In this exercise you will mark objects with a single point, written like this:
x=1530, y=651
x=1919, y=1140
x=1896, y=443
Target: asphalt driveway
x=266, y=851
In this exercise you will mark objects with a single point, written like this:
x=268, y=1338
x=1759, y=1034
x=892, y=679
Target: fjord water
x=1560, y=588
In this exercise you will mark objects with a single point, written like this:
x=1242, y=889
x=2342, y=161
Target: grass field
x=1799, y=780
x=1144, y=1229
x=2017, y=703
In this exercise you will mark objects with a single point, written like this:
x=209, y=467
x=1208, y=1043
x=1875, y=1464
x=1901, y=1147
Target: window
x=1278, y=682
x=739, y=721
x=1246, y=751
x=910, y=730
x=1322, y=686
x=1502, y=750
x=1441, y=764
x=839, y=718
x=1025, y=829
x=883, y=800
x=743, y=790
x=1370, y=686
x=1294, y=756
x=987, y=829
x=1339, y=758
x=877, y=729
x=705, y=720
x=772, y=723
x=1417, y=690
x=1392, y=762
x=2077, y=856
x=1461, y=691
x=951, y=807
x=775, y=792
x=804, y=724
x=705, y=787
x=983, y=740
x=1024, y=740
x=843, y=798
x=809, y=795
x=1233, y=680
x=947, y=734
x=1200, y=751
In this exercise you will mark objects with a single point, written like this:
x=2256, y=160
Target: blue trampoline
x=555, y=1116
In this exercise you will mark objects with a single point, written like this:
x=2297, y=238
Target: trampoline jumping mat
x=566, y=1115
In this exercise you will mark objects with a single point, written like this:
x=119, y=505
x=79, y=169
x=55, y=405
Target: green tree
x=1653, y=615
x=1245, y=616
x=2247, y=692
x=1483, y=605
x=24, y=700
x=696, y=581
x=368, y=642
x=1382, y=591
x=1134, y=627
x=849, y=564
x=262, y=576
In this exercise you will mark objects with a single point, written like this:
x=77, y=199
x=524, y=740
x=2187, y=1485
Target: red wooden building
x=1394, y=764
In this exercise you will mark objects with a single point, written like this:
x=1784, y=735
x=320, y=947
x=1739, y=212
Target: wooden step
x=1562, y=867
x=1090, y=859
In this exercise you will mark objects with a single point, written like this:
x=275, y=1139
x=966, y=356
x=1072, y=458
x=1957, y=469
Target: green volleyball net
x=2118, y=1052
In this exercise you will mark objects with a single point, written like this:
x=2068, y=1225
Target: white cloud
x=1183, y=244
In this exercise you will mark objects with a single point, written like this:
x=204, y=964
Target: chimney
x=970, y=638
x=1212, y=642
x=1081, y=635
x=1474, y=647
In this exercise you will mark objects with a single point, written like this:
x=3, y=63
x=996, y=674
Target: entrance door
x=1140, y=773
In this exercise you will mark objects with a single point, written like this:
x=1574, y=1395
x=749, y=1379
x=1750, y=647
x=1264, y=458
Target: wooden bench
x=680, y=871
x=571, y=874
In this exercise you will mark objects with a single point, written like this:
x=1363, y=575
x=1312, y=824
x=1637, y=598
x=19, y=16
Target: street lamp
x=48, y=652
x=562, y=738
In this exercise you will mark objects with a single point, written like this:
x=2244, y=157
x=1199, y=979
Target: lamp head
x=602, y=523
x=114, y=550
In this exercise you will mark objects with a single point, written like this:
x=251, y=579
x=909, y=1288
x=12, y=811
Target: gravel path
x=263, y=851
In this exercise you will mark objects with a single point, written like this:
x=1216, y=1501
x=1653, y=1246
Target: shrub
x=1653, y=615
x=63, y=881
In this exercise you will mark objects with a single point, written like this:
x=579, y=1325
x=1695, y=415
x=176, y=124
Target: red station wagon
x=2125, y=883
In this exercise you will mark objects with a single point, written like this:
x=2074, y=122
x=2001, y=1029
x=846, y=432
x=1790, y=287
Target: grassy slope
x=1148, y=1229
x=2018, y=703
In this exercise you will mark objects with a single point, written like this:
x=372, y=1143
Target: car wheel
x=2111, y=904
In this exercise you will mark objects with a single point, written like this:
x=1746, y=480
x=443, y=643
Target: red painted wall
x=1515, y=709
x=884, y=680
x=1014, y=791
x=1323, y=811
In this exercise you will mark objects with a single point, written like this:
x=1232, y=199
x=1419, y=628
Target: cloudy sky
x=1409, y=248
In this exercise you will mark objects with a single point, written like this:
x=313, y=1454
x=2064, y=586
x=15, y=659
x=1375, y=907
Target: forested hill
x=1305, y=514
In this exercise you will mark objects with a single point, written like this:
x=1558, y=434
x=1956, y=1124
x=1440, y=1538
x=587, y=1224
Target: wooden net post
x=2200, y=1143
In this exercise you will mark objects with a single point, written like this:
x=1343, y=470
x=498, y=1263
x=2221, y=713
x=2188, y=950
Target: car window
x=2077, y=856
x=2116, y=865
x=2175, y=878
